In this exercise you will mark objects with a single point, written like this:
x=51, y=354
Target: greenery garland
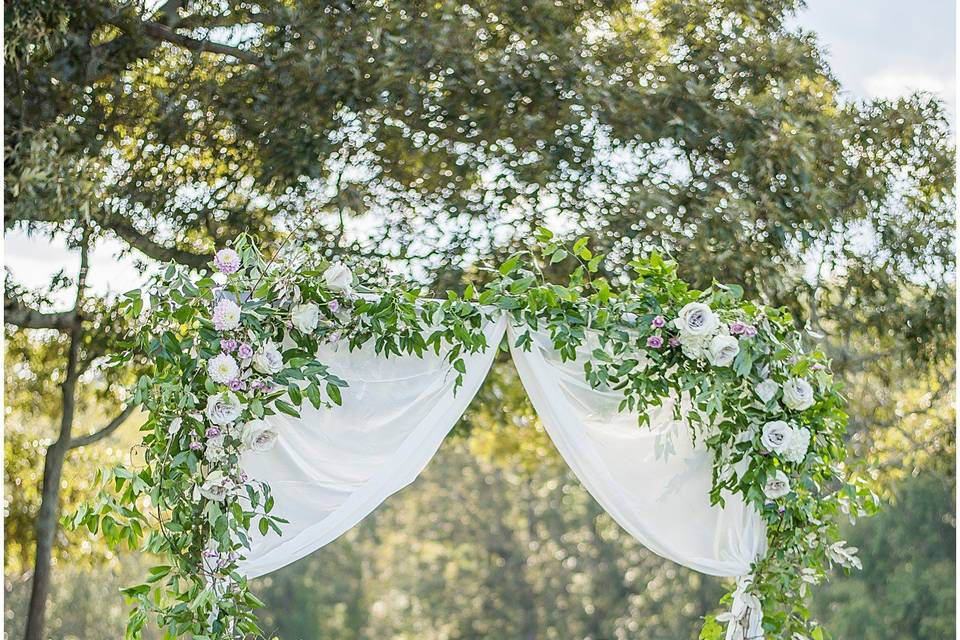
x=771, y=414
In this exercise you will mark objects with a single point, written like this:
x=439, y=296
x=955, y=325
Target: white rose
x=258, y=436
x=338, y=277
x=305, y=317
x=215, y=487
x=797, y=446
x=777, y=486
x=722, y=351
x=268, y=359
x=697, y=319
x=776, y=435
x=693, y=346
x=223, y=408
x=797, y=394
x=223, y=368
x=214, y=451
x=766, y=390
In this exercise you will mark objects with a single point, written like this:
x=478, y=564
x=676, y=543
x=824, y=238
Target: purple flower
x=195, y=446
x=658, y=322
x=335, y=336
x=227, y=261
x=236, y=385
x=654, y=342
x=210, y=553
x=673, y=342
x=243, y=477
x=257, y=384
x=334, y=306
x=244, y=351
x=737, y=327
x=750, y=331
x=228, y=346
x=213, y=432
x=816, y=366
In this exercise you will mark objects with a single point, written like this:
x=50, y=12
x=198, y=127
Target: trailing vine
x=230, y=349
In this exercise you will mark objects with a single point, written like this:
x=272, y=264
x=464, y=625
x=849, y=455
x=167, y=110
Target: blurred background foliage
x=436, y=137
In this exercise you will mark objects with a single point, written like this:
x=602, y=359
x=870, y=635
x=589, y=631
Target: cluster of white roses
x=781, y=438
x=701, y=335
x=244, y=369
x=305, y=317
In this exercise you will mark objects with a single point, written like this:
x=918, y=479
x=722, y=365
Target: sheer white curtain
x=652, y=480
x=332, y=467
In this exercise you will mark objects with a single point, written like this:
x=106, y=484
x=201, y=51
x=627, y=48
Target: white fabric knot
x=745, y=618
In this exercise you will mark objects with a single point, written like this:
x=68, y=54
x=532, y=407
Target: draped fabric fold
x=332, y=467
x=652, y=480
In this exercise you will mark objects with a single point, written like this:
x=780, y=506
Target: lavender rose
x=223, y=408
x=258, y=437
x=722, y=351
x=268, y=360
x=777, y=486
x=776, y=435
x=797, y=394
x=696, y=319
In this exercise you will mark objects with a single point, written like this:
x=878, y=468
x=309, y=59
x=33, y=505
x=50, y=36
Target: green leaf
x=509, y=265
x=711, y=629
x=334, y=392
x=286, y=408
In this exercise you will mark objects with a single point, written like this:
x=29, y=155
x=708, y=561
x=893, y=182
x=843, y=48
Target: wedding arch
x=287, y=398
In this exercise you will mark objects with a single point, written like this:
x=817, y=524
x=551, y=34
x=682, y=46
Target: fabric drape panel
x=331, y=467
x=652, y=480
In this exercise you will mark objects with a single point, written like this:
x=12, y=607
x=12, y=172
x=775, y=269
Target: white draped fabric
x=332, y=467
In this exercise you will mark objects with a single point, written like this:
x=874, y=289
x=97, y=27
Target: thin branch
x=155, y=250
x=19, y=314
x=102, y=433
x=162, y=32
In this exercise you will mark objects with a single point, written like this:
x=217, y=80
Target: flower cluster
x=770, y=412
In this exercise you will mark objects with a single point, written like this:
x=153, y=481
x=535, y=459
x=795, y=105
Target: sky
x=876, y=48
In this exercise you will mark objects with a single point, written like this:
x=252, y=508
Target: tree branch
x=102, y=433
x=162, y=32
x=20, y=315
x=155, y=250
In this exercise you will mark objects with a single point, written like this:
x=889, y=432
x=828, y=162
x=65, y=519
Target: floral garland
x=771, y=415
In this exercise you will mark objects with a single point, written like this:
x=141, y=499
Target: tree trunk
x=46, y=528
x=46, y=533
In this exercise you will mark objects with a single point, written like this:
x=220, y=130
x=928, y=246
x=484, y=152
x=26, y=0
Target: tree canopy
x=439, y=136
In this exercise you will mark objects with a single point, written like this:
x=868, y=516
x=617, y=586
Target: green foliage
x=194, y=326
x=710, y=131
x=907, y=588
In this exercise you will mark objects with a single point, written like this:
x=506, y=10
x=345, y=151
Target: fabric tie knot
x=745, y=618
